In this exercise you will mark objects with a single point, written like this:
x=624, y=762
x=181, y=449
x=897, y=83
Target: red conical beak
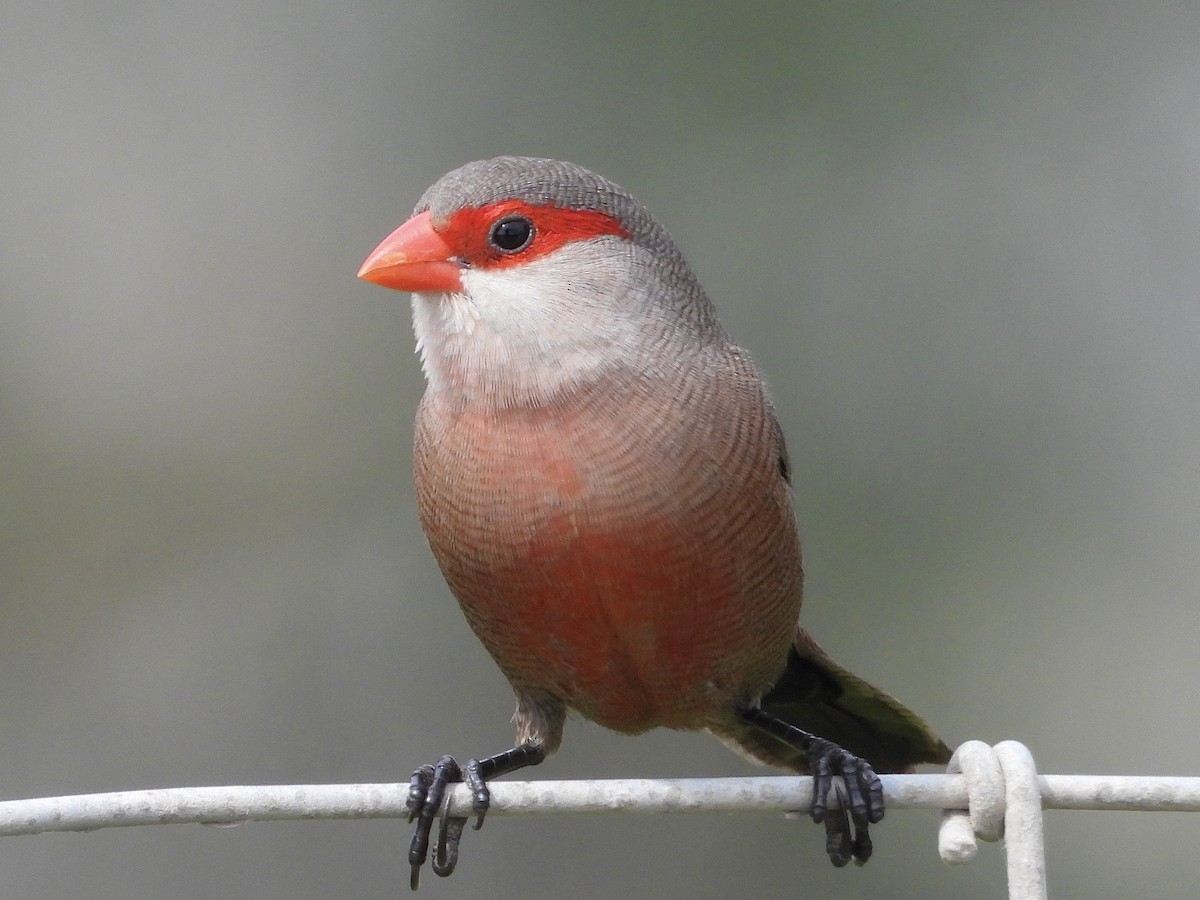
x=414, y=257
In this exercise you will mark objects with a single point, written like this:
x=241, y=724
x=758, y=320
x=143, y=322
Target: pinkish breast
x=642, y=566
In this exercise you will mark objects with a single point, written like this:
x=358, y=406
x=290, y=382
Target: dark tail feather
x=816, y=694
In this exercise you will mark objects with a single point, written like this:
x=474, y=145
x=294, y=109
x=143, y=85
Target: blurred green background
x=960, y=238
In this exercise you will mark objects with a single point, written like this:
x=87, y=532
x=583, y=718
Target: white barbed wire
x=989, y=793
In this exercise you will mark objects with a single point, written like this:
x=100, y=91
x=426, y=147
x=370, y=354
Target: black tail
x=816, y=694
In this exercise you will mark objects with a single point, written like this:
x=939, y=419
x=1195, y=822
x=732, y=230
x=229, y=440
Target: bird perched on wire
x=604, y=483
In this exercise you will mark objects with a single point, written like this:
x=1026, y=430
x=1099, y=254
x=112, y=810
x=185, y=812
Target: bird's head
x=530, y=276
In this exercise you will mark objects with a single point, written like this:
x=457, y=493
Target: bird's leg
x=860, y=800
x=427, y=789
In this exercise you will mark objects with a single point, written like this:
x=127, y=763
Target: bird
x=603, y=481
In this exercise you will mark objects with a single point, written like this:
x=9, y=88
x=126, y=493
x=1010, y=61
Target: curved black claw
x=860, y=801
x=427, y=791
x=426, y=795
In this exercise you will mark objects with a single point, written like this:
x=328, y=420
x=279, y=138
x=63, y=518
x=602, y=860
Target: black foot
x=860, y=800
x=426, y=792
x=426, y=795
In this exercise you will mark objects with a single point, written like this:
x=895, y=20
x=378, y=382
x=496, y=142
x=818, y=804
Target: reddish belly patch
x=584, y=574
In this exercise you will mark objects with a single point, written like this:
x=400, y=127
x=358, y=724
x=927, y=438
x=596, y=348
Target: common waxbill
x=605, y=486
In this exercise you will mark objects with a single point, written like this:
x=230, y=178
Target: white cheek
x=530, y=330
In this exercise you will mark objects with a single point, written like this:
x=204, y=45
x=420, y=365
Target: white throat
x=527, y=333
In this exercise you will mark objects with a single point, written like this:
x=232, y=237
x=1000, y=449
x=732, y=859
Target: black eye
x=512, y=233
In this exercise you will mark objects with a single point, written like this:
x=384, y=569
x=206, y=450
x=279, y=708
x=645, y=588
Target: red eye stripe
x=553, y=226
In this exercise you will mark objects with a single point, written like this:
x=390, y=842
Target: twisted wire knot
x=1004, y=800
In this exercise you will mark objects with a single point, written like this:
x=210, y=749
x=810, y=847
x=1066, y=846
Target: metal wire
x=1019, y=802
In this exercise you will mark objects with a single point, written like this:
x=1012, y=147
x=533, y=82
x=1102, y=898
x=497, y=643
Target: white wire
x=232, y=804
